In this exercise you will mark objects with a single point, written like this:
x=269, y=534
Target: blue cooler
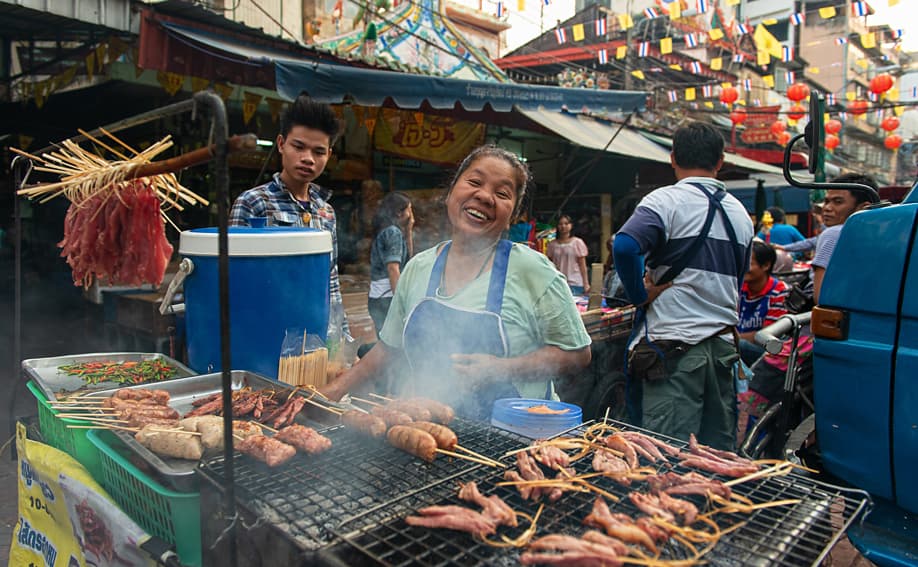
x=278, y=278
x=517, y=415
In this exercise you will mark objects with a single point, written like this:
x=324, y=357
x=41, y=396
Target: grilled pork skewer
x=305, y=439
x=266, y=449
x=446, y=437
x=413, y=441
x=364, y=423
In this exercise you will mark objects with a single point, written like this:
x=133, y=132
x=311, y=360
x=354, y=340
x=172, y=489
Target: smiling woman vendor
x=479, y=318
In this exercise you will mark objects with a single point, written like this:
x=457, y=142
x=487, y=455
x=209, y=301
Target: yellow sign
x=440, y=139
x=578, y=32
x=689, y=92
x=827, y=12
x=666, y=45
x=717, y=64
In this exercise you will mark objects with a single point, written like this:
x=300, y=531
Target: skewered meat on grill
x=439, y=412
x=364, y=423
x=688, y=483
x=170, y=443
x=612, y=543
x=557, y=549
x=305, y=439
x=266, y=449
x=118, y=403
x=414, y=410
x=530, y=470
x=392, y=417
x=620, y=444
x=662, y=445
x=614, y=466
x=159, y=396
x=139, y=421
x=454, y=518
x=211, y=429
x=493, y=508
x=645, y=446
x=514, y=476
x=289, y=410
x=159, y=412
x=716, y=461
x=620, y=526
x=555, y=492
x=651, y=506
x=664, y=506
x=446, y=437
x=681, y=507
x=550, y=456
x=244, y=402
x=413, y=441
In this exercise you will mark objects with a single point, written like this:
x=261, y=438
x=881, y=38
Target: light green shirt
x=538, y=307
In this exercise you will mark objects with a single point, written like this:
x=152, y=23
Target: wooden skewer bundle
x=306, y=369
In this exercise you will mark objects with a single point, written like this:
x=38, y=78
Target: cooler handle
x=186, y=266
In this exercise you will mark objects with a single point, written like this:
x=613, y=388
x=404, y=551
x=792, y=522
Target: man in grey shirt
x=839, y=205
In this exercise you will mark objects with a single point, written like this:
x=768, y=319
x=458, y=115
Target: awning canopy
x=732, y=159
x=595, y=134
x=370, y=87
x=794, y=200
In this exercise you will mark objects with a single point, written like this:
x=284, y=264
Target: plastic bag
x=342, y=348
x=303, y=360
x=65, y=518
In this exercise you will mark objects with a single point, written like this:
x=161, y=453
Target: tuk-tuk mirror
x=812, y=133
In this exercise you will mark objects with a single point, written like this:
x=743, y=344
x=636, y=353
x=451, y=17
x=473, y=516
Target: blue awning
x=370, y=87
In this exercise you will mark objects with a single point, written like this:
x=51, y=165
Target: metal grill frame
x=359, y=481
x=800, y=534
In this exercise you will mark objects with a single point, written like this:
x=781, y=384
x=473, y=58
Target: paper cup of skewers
x=303, y=360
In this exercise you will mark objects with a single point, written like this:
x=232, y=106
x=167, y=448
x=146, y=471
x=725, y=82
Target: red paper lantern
x=784, y=138
x=798, y=92
x=833, y=126
x=778, y=127
x=729, y=95
x=857, y=107
x=738, y=116
x=832, y=141
x=893, y=142
x=881, y=83
x=796, y=112
x=889, y=123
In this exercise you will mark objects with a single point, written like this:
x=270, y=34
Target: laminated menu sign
x=65, y=518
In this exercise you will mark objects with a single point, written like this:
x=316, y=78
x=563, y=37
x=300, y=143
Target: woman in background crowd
x=569, y=255
x=391, y=249
x=761, y=300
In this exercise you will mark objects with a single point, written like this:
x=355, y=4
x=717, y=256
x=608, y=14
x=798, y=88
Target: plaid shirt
x=274, y=200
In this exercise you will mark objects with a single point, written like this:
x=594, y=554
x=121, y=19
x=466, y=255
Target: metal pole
x=219, y=134
x=21, y=167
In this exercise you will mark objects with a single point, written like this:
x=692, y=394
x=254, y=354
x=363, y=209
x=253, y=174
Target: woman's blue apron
x=435, y=330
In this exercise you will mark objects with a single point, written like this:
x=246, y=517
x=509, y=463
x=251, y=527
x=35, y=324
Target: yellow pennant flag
x=625, y=21
x=689, y=92
x=578, y=32
x=275, y=106
x=733, y=2
x=762, y=57
x=813, y=70
x=223, y=90
x=170, y=82
x=827, y=12
x=100, y=55
x=892, y=94
x=638, y=73
x=893, y=3
x=675, y=11
x=370, y=124
x=90, y=64
x=198, y=84
x=250, y=102
x=868, y=40
x=676, y=67
x=825, y=117
x=520, y=5
x=715, y=34
x=666, y=45
x=726, y=85
x=850, y=96
x=862, y=63
x=899, y=110
x=764, y=41
x=709, y=104
x=717, y=64
x=770, y=22
x=621, y=51
x=769, y=81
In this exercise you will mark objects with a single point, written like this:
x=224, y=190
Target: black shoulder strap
x=676, y=268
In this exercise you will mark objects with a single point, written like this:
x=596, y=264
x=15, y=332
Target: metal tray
x=57, y=385
x=179, y=474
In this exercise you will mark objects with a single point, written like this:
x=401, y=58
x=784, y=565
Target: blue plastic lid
x=516, y=412
x=248, y=241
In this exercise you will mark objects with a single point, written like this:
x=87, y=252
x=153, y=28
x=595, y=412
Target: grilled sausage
x=162, y=412
x=415, y=410
x=390, y=416
x=414, y=441
x=439, y=412
x=446, y=438
x=266, y=449
x=118, y=403
x=364, y=423
x=178, y=444
x=159, y=396
x=143, y=420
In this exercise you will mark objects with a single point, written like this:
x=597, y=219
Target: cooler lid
x=248, y=241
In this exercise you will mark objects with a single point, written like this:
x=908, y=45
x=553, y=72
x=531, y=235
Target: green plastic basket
x=55, y=432
x=174, y=517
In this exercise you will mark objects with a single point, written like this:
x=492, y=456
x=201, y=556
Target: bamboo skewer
x=87, y=417
x=480, y=456
x=326, y=408
x=104, y=426
x=263, y=426
x=381, y=397
x=466, y=457
x=167, y=430
x=370, y=402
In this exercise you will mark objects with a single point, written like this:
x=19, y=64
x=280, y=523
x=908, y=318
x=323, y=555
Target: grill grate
x=359, y=480
x=799, y=534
